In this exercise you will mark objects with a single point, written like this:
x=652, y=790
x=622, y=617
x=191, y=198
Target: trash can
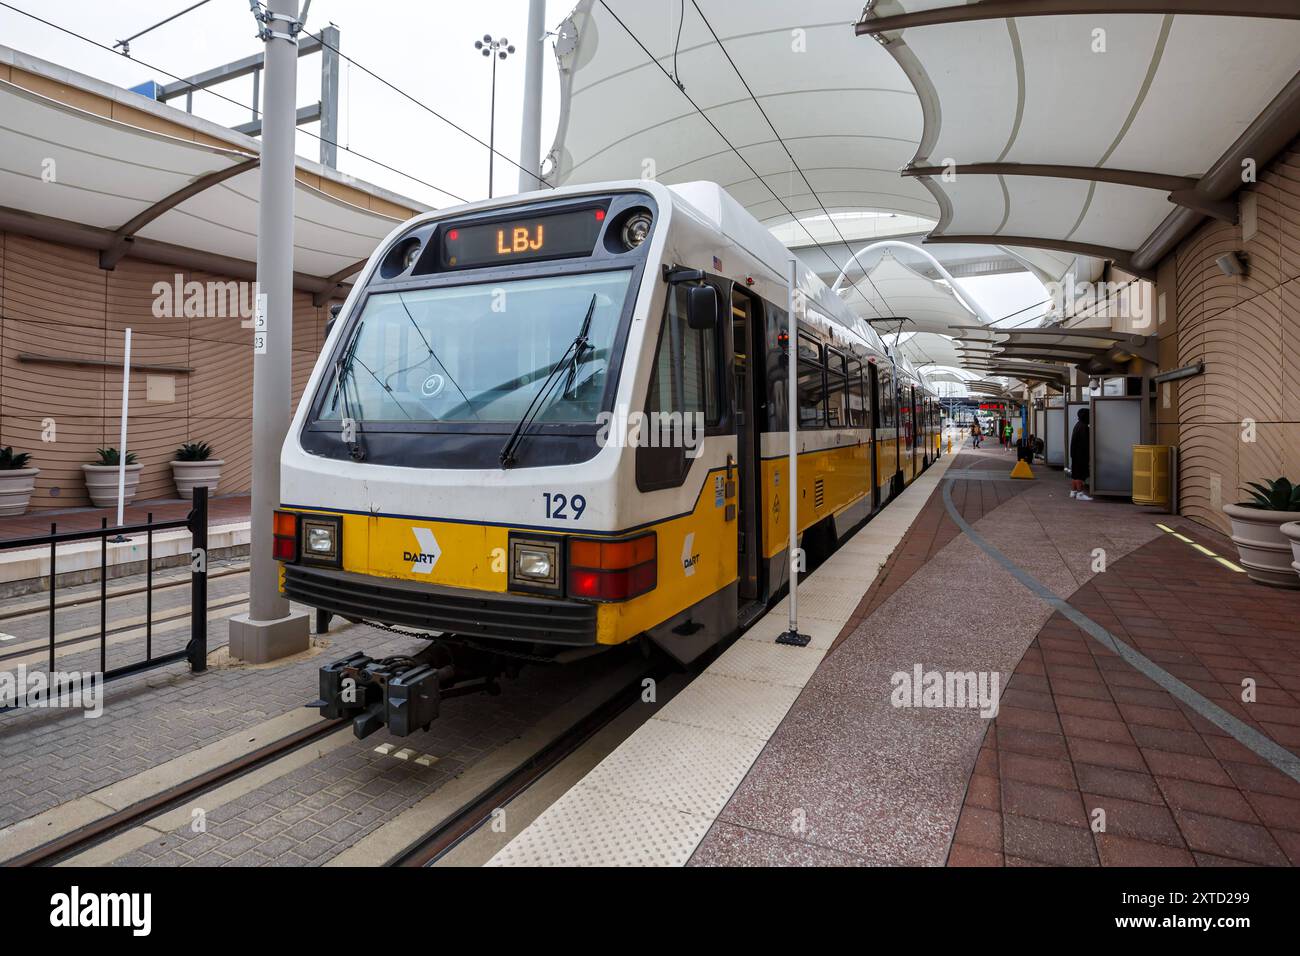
x=1153, y=475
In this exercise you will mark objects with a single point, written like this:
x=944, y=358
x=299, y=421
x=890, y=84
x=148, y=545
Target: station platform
x=223, y=509
x=1120, y=737
x=26, y=571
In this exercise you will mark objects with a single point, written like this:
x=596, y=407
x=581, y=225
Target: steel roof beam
x=249, y=64
x=1121, y=257
x=1094, y=174
x=1006, y=9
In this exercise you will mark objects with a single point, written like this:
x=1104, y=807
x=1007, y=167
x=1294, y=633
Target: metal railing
x=196, y=650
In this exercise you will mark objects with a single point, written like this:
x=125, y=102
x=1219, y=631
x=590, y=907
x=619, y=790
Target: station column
x=269, y=630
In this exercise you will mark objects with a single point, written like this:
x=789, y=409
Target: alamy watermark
x=949, y=689
x=624, y=429
x=1128, y=301
x=205, y=300
x=29, y=690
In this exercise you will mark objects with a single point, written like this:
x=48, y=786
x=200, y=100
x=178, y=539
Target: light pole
x=501, y=48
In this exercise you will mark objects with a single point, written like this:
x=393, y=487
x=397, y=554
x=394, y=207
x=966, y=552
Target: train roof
x=733, y=220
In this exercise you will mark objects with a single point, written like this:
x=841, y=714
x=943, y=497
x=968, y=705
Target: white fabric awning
x=120, y=187
x=848, y=115
x=1080, y=127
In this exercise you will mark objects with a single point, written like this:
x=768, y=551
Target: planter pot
x=16, y=487
x=1265, y=552
x=101, y=484
x=1292, y=532
x=189, y=475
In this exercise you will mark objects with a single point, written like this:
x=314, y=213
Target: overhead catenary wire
x=126, y=44
x=222, y=96
x=794, y=162
x=424, y=106
x=730, y=145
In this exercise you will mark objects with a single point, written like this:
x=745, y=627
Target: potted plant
x=17, y=481
x=1292, y=532
x=101, y=478
x=1265, y=551
x=194, y=466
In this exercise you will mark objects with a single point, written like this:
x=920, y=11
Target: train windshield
x=479, y=353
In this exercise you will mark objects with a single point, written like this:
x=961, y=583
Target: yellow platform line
x=1201, y=548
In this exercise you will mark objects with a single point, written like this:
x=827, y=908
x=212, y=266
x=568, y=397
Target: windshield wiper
x=342, y=370
x=572, y=355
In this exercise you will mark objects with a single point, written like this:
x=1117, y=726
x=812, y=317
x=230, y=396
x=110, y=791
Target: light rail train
x=555, y=423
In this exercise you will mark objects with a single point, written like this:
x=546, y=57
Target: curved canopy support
x=125, y=235
x=1002, y=9
x=967, y=300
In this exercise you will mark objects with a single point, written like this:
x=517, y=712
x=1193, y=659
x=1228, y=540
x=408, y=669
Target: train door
x=747, y=336
x=873, y=394
x=914, y=453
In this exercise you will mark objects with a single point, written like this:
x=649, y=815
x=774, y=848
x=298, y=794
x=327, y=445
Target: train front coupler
x=403, y=693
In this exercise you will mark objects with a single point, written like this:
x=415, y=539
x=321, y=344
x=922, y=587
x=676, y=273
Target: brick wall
x=1247, y=332
x=55, y=301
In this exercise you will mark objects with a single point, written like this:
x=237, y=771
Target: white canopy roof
x=845, y=111
x=126, y=189
x=1074, y=125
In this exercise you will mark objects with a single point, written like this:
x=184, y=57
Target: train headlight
x=320, y=539
x=535, y=565
x=636, y=229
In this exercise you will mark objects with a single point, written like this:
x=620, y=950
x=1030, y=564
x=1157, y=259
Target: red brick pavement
x=1080, y=730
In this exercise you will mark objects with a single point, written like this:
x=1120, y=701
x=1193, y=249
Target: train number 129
x=557, y=505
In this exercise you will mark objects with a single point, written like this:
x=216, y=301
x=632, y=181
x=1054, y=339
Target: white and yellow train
x=557, y=422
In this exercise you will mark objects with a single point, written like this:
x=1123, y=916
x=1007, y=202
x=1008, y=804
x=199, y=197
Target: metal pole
x=530, y=141
x=792, y=636
x=492, y=124
x=268, y=630
x=121, y=442
x=329, y=97
x=197, y=648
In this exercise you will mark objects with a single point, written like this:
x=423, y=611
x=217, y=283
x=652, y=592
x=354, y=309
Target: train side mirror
x=334, y=314
x=701, y=307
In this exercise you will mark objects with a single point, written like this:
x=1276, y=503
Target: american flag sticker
x=717, y=264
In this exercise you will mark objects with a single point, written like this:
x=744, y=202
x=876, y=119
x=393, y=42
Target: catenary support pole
x=792, y=636
x=268, y=630
x=530, y=141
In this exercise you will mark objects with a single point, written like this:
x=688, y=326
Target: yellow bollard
x=1022, y=470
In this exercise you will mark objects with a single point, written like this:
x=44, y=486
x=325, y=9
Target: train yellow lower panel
x=696, y=552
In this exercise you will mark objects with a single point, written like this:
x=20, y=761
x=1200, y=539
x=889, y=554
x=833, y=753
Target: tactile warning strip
x=651, y=801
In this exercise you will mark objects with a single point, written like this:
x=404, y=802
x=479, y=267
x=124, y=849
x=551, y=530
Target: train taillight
x=285, y=542
x=613, y=570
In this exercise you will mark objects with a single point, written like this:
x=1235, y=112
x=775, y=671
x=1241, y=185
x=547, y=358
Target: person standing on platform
x=1080, y=452
x=1006, y=435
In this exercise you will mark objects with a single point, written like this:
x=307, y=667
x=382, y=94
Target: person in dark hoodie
x=1080, y=450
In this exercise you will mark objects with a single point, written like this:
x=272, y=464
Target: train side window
x=685, y=377
x=837, y=396
x=887, y=399
x=859, y=412
x=812, y=385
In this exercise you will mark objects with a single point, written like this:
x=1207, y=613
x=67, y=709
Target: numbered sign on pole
x=260, y=329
